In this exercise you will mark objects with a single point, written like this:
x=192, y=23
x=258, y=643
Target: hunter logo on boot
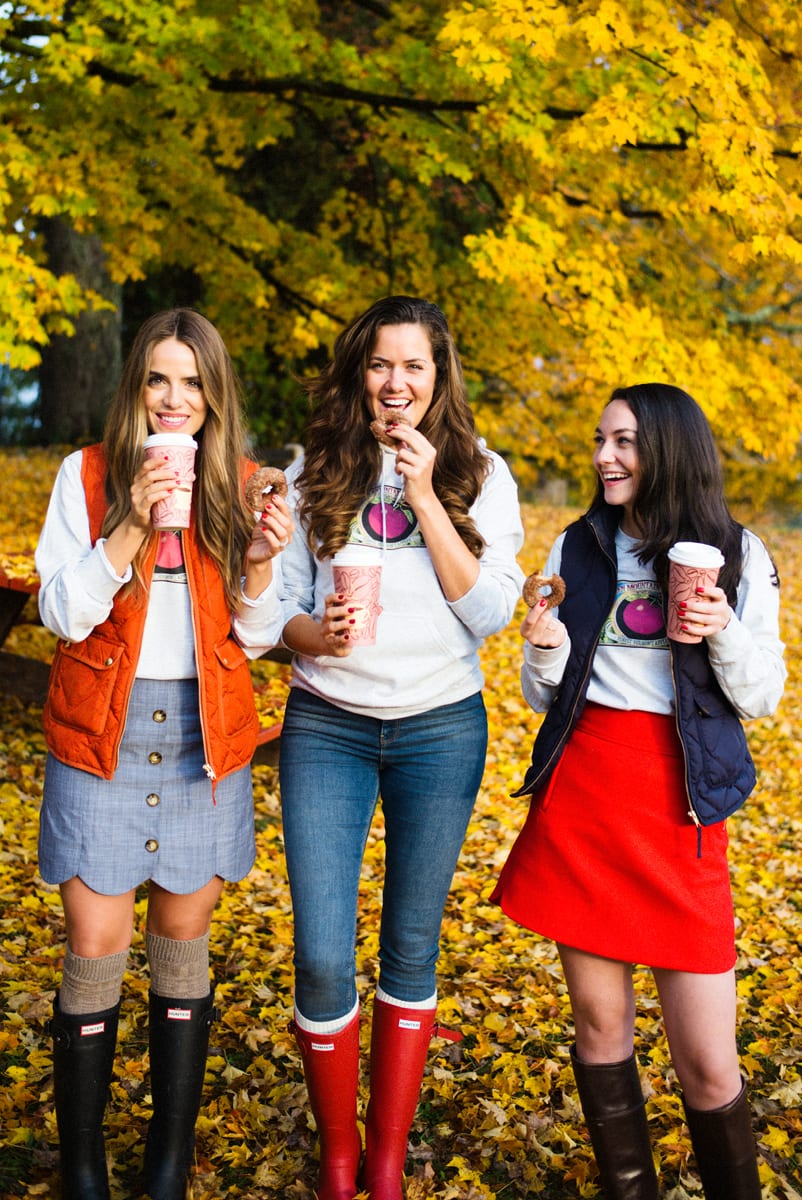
x=179, y=1014
x=88, y=1030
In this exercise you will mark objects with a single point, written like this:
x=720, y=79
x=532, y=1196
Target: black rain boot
x=615, y=1114
x=179, y=1042
x=83, y=1057
x=725, y=1150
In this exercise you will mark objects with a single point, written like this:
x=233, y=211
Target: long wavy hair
x=222, y=522
x=343, y=459
x=680, y=496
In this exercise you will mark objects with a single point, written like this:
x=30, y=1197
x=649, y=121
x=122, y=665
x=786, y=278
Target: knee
x=709, y=1083
x=604, y=1031
x=99, y=943
x=324, y=987
x=179, y=928
x=408, y=968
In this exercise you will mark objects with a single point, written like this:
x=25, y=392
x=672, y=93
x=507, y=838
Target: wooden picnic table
x=14, y=593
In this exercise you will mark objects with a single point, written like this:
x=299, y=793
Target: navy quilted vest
x=719, y=771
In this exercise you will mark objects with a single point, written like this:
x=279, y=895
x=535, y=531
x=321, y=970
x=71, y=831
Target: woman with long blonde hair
x=150, y=726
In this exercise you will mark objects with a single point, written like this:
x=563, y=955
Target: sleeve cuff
x=129, y=571
x=261, y=599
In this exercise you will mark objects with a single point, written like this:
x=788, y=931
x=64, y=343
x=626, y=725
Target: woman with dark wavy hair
x=402, y=718
x=638, y=762
x=150, y=726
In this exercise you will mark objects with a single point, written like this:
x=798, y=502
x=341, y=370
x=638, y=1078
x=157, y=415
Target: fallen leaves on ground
x=499, y=1117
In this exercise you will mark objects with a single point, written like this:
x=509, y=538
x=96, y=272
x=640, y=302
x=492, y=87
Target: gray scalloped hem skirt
x=156, y=819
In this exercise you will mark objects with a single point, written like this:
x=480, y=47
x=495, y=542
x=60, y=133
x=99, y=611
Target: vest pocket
x=82, y=683
x=234, y=688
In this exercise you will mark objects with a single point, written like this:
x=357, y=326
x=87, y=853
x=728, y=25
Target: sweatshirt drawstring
x=384, y=515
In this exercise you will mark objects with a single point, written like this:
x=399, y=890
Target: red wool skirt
x=608, y=860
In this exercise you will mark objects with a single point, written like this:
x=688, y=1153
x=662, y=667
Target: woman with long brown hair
x=401, y=717
x=640, y=759
x=150, y=726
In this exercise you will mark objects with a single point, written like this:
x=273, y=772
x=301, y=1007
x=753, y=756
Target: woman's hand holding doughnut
x=272, y=533
x=264, y=494
x=533, y=584
x=539, y=627
x=414, y=461
x=388, y=420
x=262, y=486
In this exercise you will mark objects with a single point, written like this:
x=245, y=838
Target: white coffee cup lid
x=358, y=556
x=169, y=439
x=696, y=554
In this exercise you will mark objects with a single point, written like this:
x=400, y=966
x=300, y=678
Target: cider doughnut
x=386, y=421
x=533, y=583
x=266, y=481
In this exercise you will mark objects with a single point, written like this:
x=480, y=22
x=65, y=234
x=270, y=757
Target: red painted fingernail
x=353, y=620
x=350, y=610
x=684, y=628
x=543, y=603
x=700, y=591
x=682, y=606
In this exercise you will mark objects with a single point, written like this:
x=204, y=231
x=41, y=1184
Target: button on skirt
x=156, y=819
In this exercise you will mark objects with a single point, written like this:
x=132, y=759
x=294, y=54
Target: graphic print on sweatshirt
x=401, y=530
x=636, y=618
x=170, y=566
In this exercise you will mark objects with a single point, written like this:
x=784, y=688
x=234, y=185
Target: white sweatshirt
x=631, y=666
x=425, y=653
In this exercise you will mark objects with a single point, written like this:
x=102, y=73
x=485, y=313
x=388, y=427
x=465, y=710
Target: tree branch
x=378, y=10
x=784, y=55
x=765, y=315
x=339, y=91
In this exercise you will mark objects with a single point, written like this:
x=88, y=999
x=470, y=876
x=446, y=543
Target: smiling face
x=174, y=399
x=401, y=374
x=616, y=459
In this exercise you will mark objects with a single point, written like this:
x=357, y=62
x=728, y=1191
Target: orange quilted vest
x=91, y=681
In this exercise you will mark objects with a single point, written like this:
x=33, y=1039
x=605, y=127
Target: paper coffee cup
x=357, y=572
x=691, y=565
x=178, y=451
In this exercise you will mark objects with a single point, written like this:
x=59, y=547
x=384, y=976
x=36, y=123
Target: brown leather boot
x=725, y=1150
x=615, y=1114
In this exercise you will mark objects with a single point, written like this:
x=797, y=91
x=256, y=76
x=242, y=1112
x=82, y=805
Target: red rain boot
x=331, y=1070
x=399, y=1045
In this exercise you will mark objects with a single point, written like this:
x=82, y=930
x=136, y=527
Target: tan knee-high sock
x=90, y=985
x=178, y=969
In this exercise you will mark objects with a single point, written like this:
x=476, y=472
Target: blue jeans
x=333, y=767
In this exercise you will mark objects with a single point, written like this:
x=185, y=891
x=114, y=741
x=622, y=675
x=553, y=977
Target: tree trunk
x=78, y=374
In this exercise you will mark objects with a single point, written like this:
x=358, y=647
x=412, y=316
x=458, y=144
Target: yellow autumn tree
x=595, y=192
x=652, y=225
